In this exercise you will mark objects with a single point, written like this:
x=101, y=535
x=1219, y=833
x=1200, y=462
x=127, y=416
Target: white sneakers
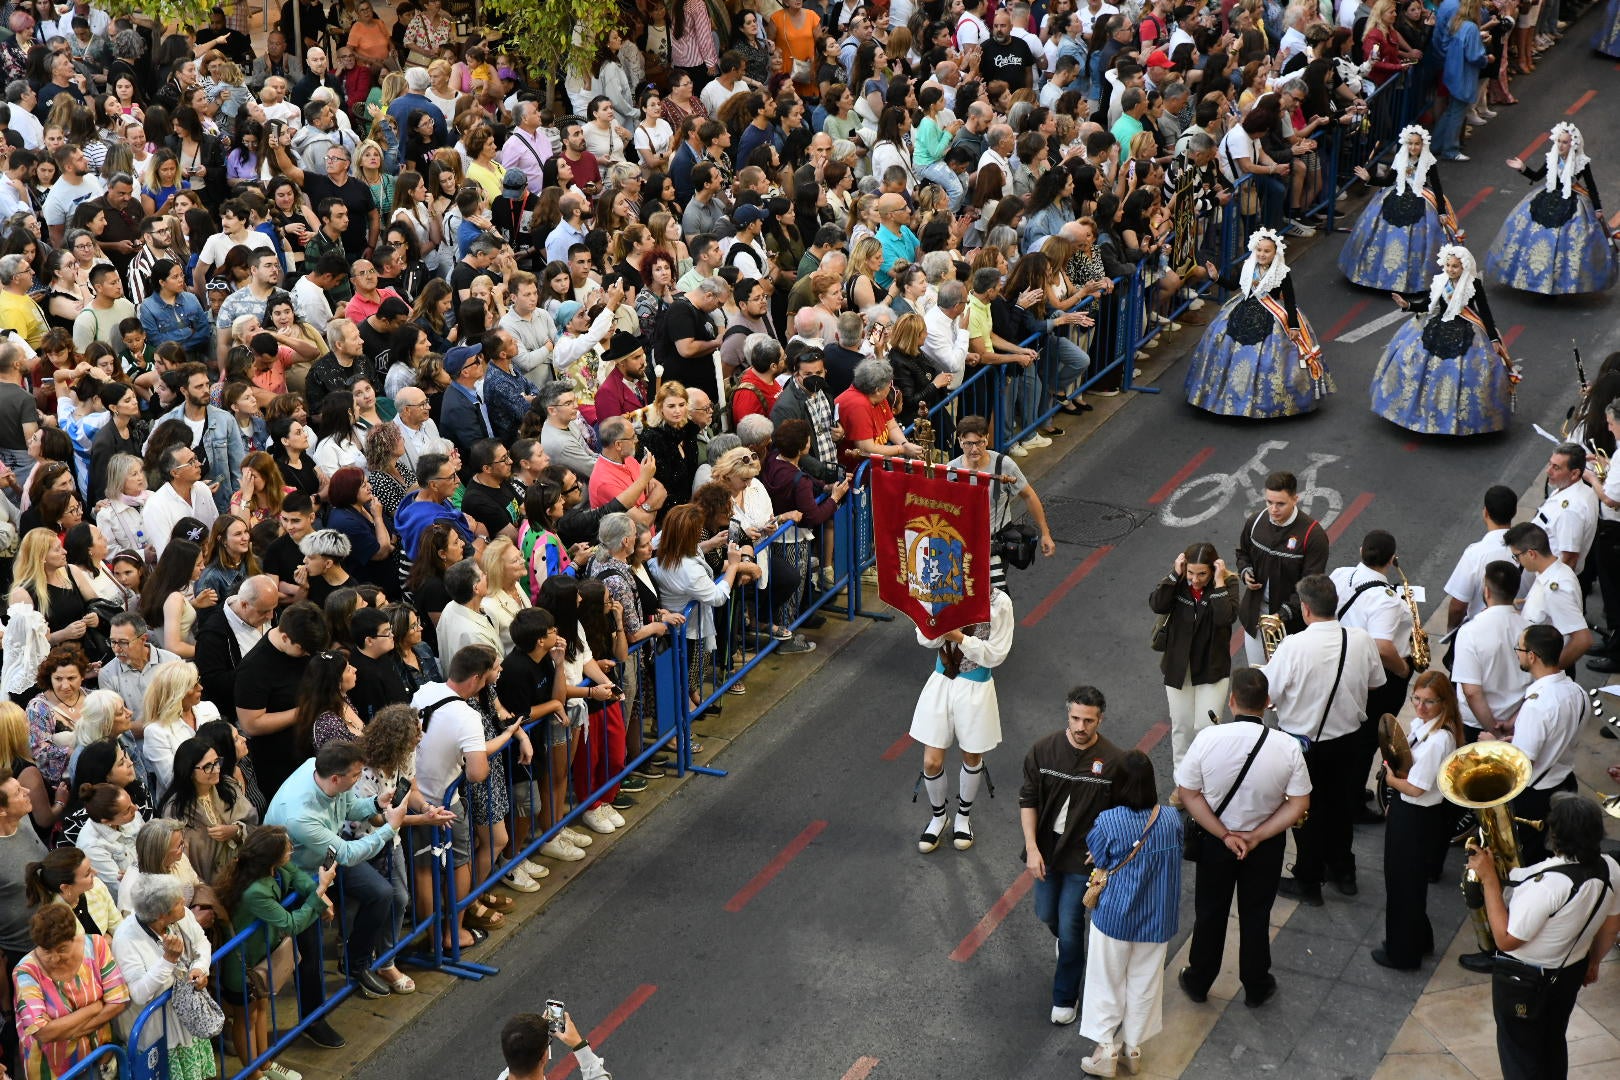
x=1064, y=1014
x=575, y=837
x=561, y=850
x=597, y=819
x=614, y=816
x=1018, y=449
x=280, y=1072
x=1101, y=1061
x=518, y=879
x=533, y=869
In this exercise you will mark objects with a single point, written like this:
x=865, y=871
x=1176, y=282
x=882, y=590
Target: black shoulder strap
x=1243, y=772
x=427, y=713
x=1363, y=587
x=1579, y=874
x=1338, y=676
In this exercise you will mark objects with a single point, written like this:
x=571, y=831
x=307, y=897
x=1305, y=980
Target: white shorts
x=957, y=712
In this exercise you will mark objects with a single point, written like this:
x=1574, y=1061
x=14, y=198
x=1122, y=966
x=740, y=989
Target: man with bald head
x=227, y=632
x=821, y=145
x=894, y=233
x=416, y=426
x=975, y=126
x=803, y=294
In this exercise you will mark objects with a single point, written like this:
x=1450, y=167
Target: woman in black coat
x=1197, y=606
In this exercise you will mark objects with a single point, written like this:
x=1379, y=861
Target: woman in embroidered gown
x=1449, y=373
x=1555, y=242
x=1258, y=356
x=1607, y=38
x=1403, y=228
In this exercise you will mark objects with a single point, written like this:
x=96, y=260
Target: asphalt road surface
x=861, y=956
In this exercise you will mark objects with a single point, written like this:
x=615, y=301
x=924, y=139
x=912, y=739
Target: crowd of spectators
x=354, y=379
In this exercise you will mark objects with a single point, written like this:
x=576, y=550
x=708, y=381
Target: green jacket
x=262, y=901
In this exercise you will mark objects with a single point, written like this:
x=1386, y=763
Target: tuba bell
x=1485, y=777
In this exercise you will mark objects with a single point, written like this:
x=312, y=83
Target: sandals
x=497, y=902
x=400, y=983
x=489, y=920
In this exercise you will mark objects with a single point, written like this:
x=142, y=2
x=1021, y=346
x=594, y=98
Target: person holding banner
x=958, y=704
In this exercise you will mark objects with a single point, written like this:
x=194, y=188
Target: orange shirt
x=370, y=41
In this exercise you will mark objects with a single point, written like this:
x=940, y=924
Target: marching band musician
x=1328, y=713
x=1419, y=832
x=1545, y=729
x=1367, y=599
x=958, y=705
x=1276, y=548
x=1607, y=489
x=1570, y=514
x=1554, y=930
x=1555, y=596
x=1465, y=586
x=1485, y=666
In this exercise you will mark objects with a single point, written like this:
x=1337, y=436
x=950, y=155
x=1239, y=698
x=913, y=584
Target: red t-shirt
x=758, y=397
x=860, y=420
x=608, y=478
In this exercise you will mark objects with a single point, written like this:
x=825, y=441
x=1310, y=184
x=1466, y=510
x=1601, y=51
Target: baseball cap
x=514, y=180
x=1159, y=59
x=455, y=361
x=748, y=214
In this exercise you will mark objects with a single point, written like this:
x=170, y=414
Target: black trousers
x=1414, y=849
x=1538, y=1049
x=1254, y=880
x=1380, y=700
x=1337, y=767
x=1606, y=549
x=1532, y=806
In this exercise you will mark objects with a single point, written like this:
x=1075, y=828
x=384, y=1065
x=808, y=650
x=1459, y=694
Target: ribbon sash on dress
x=1310, y=353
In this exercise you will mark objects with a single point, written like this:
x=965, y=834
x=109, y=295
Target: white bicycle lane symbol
x=1203, y=497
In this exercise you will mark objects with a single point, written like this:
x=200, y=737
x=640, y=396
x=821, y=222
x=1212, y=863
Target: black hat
x=621, y=346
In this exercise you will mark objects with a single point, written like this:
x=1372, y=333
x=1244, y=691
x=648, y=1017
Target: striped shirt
x=1142, y=900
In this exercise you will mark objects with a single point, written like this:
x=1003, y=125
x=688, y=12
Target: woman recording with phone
x=1196, y=609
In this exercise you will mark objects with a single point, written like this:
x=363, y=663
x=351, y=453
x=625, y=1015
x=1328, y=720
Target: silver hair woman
x=160, y=947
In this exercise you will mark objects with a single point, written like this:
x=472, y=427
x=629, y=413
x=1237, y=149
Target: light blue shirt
x=313, y=819
x=896, y=246
x=563, y=237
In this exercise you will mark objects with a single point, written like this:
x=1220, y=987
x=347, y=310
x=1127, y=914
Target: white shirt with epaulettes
x=1380, y=608
x=1570, y=517
x=1547, y=726
x=1557, y=929
x=1555, y=599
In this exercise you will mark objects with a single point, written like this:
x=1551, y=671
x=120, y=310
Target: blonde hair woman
x=15, y=752
x=59, y=592
x=368, y=166
x=173, y=710
x=860, y=275
x=502, y=563
x=738, y=471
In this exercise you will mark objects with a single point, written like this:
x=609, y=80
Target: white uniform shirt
x=1551, y=929
x=1467, y=580
x=1213, y=761
x=1555, y=599
x=1547, y=726
x=1570, y=517
x=1430, y=746
x=1301, y=677
x=1381, y=609
x=1486, y=657
x=1611, y=490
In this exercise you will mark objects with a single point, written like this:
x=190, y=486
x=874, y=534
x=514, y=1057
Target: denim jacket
x=222, y=444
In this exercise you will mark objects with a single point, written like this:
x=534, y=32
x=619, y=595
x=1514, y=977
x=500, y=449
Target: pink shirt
x=608, y=478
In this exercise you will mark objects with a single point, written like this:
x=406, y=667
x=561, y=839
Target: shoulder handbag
x=1192, y=833
x=1099, y=877
x=1523, y=987
x=196, y=1010
x=1015, y=541
x=266, y=978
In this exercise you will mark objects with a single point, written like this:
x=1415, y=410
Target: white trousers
x=1124, y=998
x=1254, y=649
x=1190, y=707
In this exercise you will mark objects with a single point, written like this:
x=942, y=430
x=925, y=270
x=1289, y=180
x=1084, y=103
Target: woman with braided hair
x=1555, y=241
x=1258, y=356
x=1448, y=373
x=1398, y=235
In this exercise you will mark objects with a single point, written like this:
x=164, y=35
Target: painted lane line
x=610, y=1023
x=1349, y=318
x=1350, y=514
x=775, y=866
x=1182, y=475
x=861, y=1069
x=1473, y=204
x=1533, y=147
x=1077, y=575
x=1154, y=736
x=1580, y=103
x=900, y=746
x=1511, y=334
x=993, y=918
x=1366, y=330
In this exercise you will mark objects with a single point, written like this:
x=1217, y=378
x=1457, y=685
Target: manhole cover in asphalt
x=1082, y=521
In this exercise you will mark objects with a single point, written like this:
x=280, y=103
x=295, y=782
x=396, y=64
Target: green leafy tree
x=553, y=35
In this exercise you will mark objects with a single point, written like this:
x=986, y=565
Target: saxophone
x=1420, y=638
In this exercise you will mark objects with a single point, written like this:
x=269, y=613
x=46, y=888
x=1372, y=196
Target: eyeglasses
x=507, y=460
x=209, y=766
x=571, y=490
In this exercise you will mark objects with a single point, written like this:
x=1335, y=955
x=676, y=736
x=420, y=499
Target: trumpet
x=1272, y=632
x=1597, y=459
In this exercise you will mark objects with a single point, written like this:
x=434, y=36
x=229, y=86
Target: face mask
x=815, y=384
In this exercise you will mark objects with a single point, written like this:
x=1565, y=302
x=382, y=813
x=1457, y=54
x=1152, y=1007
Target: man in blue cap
x=464, y=418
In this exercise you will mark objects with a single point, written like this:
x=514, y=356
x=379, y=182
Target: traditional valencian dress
x=1447, y=373
x=1258, y=356
x=1607, y=38
x=1555, y=241
x=1403, y=228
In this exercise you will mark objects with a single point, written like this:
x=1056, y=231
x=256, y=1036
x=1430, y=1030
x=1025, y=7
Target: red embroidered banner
x=932, y=536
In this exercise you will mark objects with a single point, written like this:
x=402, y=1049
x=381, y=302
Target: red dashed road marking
x=1351, y=512
x=1473, y=204
x=898, y=748
x=993, y=918
x=1077, y=575
x=775, y=866
x=1347, y=321
x=1580, y=103
x=1154, y=736
x=1181, y=476
x=861, y=1069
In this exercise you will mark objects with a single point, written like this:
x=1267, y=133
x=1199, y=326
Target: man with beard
x=1007, y=57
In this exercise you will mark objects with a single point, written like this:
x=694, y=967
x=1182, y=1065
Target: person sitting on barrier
x=252, y=890
x=526, y=1047
x=313, y=805
x=156, y=949
x=63, y=1026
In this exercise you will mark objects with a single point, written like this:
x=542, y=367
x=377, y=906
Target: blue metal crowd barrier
x=91, y=1066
